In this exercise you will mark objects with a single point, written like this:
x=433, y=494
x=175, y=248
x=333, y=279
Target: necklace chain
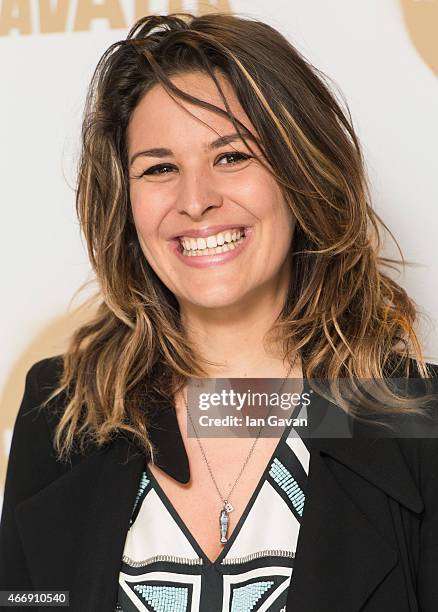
x=227, y=506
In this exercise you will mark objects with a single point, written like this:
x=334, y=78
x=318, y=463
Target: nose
x=197, y=194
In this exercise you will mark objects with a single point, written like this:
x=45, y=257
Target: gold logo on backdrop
x=421, y=17
x=52, y=15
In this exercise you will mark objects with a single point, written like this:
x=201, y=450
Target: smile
x=211, y=245
x=212, y=250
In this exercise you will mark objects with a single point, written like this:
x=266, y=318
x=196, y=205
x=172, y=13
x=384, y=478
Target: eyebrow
x=215, y=144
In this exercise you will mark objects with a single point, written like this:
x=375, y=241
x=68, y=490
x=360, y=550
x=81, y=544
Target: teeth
x=228, y=246
x=211, y=242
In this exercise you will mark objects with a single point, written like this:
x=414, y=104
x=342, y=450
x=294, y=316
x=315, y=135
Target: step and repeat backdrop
x=382, y=54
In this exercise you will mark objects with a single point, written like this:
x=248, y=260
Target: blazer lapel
x=347, y=544
x=74, y=530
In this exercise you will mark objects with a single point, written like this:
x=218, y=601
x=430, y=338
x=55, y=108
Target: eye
x=155, y=170
x=234, y=154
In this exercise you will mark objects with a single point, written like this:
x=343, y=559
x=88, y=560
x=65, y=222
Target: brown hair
x=344, y=315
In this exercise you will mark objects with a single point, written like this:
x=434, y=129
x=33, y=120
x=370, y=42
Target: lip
x=204, y=261
x=206, y=231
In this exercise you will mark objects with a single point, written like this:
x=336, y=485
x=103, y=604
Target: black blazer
x=368, y=541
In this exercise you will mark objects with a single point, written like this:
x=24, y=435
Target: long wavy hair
x=343, y=314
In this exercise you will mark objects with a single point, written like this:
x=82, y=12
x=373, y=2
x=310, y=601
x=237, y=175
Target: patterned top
x=165, y=570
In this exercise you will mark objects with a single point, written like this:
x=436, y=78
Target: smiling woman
x=222, y=195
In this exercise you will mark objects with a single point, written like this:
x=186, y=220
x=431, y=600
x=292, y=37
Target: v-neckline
x=238, y=527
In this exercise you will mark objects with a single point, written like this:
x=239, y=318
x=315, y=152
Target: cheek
x=282, y=220
x=145, y=217
x=265, y=196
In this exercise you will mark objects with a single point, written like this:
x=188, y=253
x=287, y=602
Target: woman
x=223, y=199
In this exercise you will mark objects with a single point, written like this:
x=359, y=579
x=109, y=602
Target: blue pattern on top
x=245, y=598
x=288, y=484
x=144, y=481
x=164, y=598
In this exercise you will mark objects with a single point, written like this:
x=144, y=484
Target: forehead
x=159, y=115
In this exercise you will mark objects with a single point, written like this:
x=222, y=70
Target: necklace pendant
x=228, y=506
x=223, y=524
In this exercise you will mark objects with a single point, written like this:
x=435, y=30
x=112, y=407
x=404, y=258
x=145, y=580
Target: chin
x=215, y=299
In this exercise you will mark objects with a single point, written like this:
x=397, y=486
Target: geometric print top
x=164, y=569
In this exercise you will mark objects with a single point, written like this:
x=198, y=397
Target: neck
x=236, y=341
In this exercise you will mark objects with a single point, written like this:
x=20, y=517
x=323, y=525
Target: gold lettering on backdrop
x=206, y=6
x=53, y=15
x=142, y=8
x=175, y=6
x=88, y=10
x=421, y=18
x=15, y=14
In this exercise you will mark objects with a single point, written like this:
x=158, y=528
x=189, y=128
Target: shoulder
x=421, y=453
x=32, y=463
x=41, y=379
x=43, y=376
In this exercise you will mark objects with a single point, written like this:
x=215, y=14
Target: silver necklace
x=227, y=506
